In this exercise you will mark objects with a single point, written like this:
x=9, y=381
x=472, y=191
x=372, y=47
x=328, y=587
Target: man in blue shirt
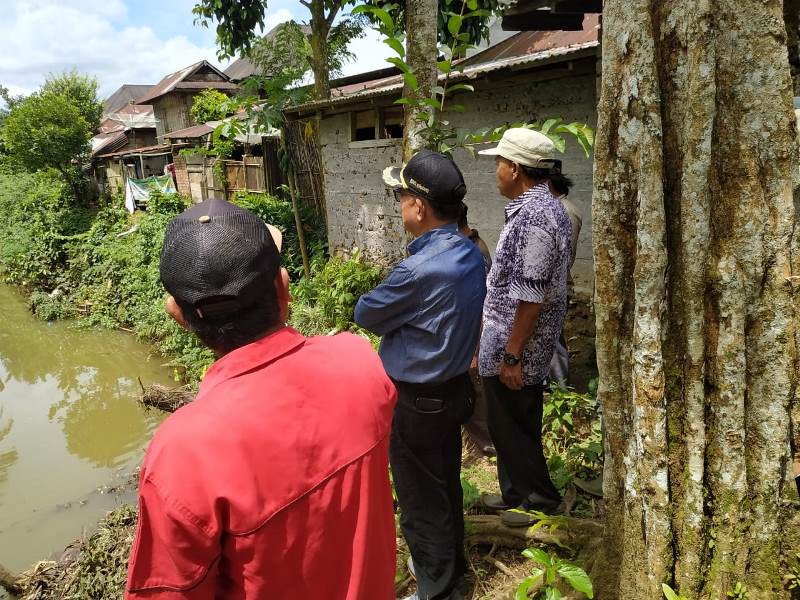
x=428, y=310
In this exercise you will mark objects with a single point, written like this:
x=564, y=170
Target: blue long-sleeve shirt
x=428, y=309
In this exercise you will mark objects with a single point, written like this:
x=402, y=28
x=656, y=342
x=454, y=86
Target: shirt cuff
x=528, y=290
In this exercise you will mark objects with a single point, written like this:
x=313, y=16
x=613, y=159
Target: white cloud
x=51, y=36
x=276, y=18
x=370, y=52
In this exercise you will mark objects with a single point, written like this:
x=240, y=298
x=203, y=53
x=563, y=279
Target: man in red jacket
x=274, y=482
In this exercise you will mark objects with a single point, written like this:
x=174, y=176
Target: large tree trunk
x=693, y=224
x=421, y=52
x=791, y=15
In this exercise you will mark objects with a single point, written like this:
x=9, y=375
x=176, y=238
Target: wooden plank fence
x=257, y=174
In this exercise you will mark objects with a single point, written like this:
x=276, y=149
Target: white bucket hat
x=528, y=148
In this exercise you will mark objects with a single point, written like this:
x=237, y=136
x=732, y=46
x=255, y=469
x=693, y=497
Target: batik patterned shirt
x=531, y=265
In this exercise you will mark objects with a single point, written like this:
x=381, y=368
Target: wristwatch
x=510, y=359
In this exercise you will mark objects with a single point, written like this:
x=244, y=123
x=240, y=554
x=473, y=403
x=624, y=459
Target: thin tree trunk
x=421, y=53
x=320, y=28
x=693, y=219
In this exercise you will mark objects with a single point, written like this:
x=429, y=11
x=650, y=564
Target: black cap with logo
x=430, y=175
x=218, y=259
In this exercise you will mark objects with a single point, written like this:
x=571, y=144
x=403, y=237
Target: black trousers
x=425, y=455
x=515, y=422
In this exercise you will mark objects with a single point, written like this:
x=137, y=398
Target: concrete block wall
x=362, y=213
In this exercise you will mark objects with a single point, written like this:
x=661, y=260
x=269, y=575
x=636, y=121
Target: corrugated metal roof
x=169, y=82
x=123, y=97
x=112, y=131
x=240, y=69
x=531, y=42
x=132, y=116
x=203, y=85
x=108, y=141
x=157, y=149
x=195, y=131
x=389, y=85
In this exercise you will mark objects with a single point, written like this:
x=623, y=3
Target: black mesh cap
x=431, y=175
x=219, y=258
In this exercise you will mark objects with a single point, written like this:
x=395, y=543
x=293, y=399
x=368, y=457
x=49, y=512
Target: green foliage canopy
x=46, y=131
x=52, y=127
x=80, y=90
x=209, y=105
x=287, y=52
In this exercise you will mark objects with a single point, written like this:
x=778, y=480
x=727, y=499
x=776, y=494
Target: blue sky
x=124, y=41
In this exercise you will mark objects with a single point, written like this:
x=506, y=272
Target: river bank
x=71, y=428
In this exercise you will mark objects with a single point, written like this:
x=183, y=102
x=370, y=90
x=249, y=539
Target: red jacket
x=273, y=484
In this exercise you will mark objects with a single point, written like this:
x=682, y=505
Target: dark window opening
x=363, y=126
x=392, y=122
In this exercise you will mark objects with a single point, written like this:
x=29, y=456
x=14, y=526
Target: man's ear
x=176, y=312
x=284, y=296
x=421, y=209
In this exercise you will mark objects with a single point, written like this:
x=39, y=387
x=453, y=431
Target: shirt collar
x=419, y=243
x=513, y=207
x=249, y=357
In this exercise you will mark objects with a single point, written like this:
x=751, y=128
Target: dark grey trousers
x=515, y=422
x=425, y=455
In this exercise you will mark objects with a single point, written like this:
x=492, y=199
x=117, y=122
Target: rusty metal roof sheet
x=240, y=69
x=157, y=149
x=195, y=131
x=532, y=42
x=171, y=81
x=389, y=85
x=108, y=141
x=203, y=85
x=123, y=97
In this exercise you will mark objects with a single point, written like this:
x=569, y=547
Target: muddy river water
x=71, y=430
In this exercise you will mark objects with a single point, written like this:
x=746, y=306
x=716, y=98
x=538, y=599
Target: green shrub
x=38, y=220
x=335, y=289
x=102, y=264
x=278, y=212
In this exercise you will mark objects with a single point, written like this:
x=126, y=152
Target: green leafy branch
x=436, y=131
x=549, y=572
x=555, y=129
x=431, y=112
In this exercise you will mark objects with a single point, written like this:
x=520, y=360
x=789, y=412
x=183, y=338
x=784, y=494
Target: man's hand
x=511, y=377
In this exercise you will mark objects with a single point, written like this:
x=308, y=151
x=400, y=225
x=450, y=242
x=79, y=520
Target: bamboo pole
x=298, y=223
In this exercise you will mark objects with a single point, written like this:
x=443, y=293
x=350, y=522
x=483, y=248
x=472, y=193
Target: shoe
x=516, y=518
x=593, y=487
x=521, y=518
x=411, y=570
x=493, y=502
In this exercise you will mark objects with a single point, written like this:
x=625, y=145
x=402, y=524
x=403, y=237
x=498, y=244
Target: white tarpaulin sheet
x=137, y=191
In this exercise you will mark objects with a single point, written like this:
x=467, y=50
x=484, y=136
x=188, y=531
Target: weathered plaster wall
x=362, y=213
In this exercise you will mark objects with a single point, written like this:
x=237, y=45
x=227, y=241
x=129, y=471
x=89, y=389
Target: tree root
x=565, y=531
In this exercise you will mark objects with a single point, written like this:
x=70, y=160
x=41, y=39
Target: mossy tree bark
x=421, y=50
x=320, y=27
x=696, y=326
x=791, y=16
